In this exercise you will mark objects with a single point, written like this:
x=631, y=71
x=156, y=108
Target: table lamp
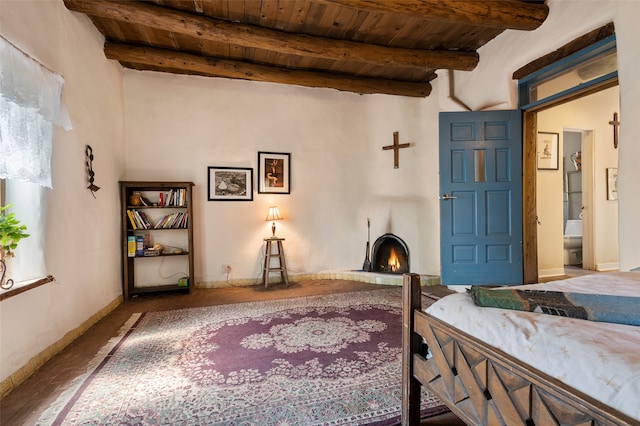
x=273, y=215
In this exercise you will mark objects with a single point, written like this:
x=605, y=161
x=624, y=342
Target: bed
x=496, y=367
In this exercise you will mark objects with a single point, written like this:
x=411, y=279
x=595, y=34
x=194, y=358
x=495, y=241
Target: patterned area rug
x=326, y=360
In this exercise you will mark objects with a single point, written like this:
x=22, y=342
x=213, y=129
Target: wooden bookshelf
x=159, y=213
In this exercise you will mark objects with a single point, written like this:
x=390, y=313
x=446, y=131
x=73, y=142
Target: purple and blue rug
x=323, y=360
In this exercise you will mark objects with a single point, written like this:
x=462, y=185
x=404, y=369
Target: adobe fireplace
x=390, y=254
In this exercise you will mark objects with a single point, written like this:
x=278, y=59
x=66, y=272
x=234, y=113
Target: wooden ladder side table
x=268, y=254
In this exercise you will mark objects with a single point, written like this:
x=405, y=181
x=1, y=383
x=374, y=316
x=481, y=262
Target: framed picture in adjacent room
x=547, y=151
x=230, y=184
x=274, y=173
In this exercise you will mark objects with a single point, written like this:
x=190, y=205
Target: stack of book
x=173, y=220
x=139, y=220
x=135, y=246
x=174, y=198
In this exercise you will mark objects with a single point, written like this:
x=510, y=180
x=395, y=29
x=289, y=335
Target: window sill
x=23, y=286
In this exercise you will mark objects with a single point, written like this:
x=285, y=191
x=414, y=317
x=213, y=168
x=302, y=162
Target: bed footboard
x=481, y=384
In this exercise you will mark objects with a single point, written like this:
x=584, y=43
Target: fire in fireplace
x=390, y=254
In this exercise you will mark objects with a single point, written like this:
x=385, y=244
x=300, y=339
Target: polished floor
x=24, y=405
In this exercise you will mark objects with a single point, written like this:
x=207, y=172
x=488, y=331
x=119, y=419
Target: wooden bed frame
x=481, y=384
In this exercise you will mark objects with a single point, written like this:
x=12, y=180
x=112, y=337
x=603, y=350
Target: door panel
x=481, y=197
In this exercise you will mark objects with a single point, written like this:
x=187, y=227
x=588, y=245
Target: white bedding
x=599, y=359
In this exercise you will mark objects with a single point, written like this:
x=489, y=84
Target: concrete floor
x=24, y=404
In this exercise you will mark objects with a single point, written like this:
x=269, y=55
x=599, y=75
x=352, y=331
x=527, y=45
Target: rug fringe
x=49, y=416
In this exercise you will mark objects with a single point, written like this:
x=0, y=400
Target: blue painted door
x=481, y=197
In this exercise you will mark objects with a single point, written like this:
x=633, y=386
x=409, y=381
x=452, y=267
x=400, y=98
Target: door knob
x=446, y=197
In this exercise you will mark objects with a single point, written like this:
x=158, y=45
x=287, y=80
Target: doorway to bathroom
x=578, y=216
x=572, y=205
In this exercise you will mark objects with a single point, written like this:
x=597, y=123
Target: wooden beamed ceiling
x=363, y=46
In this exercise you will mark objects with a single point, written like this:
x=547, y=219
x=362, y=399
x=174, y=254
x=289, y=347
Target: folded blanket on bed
x=594, y=307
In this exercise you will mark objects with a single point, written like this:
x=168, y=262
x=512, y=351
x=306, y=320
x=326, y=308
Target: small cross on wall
x=396, y=148
x=615, y=123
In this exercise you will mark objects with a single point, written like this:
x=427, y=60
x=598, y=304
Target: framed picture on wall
x=547, y=151
x=612, y=183
x=230, y=184
x=274, y=173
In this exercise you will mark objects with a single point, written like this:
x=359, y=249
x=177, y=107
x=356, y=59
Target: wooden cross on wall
x=396, y=148
x=615, y=123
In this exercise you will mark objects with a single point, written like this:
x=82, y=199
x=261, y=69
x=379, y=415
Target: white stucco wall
x=82, y=242
x=177, y=126
x=491, y=84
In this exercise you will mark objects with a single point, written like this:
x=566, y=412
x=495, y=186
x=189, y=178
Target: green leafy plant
x=11, y=232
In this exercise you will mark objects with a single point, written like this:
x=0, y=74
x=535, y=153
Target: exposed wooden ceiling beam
x=251, y=36
x=504, y=14
x=570, y=48
x=241, y=70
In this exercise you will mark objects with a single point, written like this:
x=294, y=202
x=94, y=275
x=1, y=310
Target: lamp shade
x=273, y=214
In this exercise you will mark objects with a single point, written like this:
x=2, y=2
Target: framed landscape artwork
x=230, y=184
x=274, y=173
x=547, y=151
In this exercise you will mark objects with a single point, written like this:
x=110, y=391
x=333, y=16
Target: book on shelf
x=132, y=220
x=145, y=220
x=131, y=246
x=139, y=245
x=183, y=221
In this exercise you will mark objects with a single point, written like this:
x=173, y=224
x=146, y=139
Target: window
x=593, y=67
x=30, y=105
x=27, y=202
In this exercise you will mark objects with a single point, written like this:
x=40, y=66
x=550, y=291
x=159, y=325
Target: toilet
x=573, y=242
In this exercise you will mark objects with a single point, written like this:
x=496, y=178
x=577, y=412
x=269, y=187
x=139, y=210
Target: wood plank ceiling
x=362, y=46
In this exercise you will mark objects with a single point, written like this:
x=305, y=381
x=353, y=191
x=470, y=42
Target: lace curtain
x=30, y=105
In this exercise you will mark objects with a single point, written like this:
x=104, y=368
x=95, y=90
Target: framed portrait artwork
x=274, y=173
x=230, y=184
x=547, y=151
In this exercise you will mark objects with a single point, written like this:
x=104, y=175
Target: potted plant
x=11, y=232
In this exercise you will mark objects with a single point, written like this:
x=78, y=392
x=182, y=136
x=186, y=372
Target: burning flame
x=393, y=262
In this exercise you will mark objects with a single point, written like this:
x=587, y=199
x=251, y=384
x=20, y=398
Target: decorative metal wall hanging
x=89, y=159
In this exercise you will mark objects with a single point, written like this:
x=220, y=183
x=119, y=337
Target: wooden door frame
x=529, y=130
x=529, y=215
